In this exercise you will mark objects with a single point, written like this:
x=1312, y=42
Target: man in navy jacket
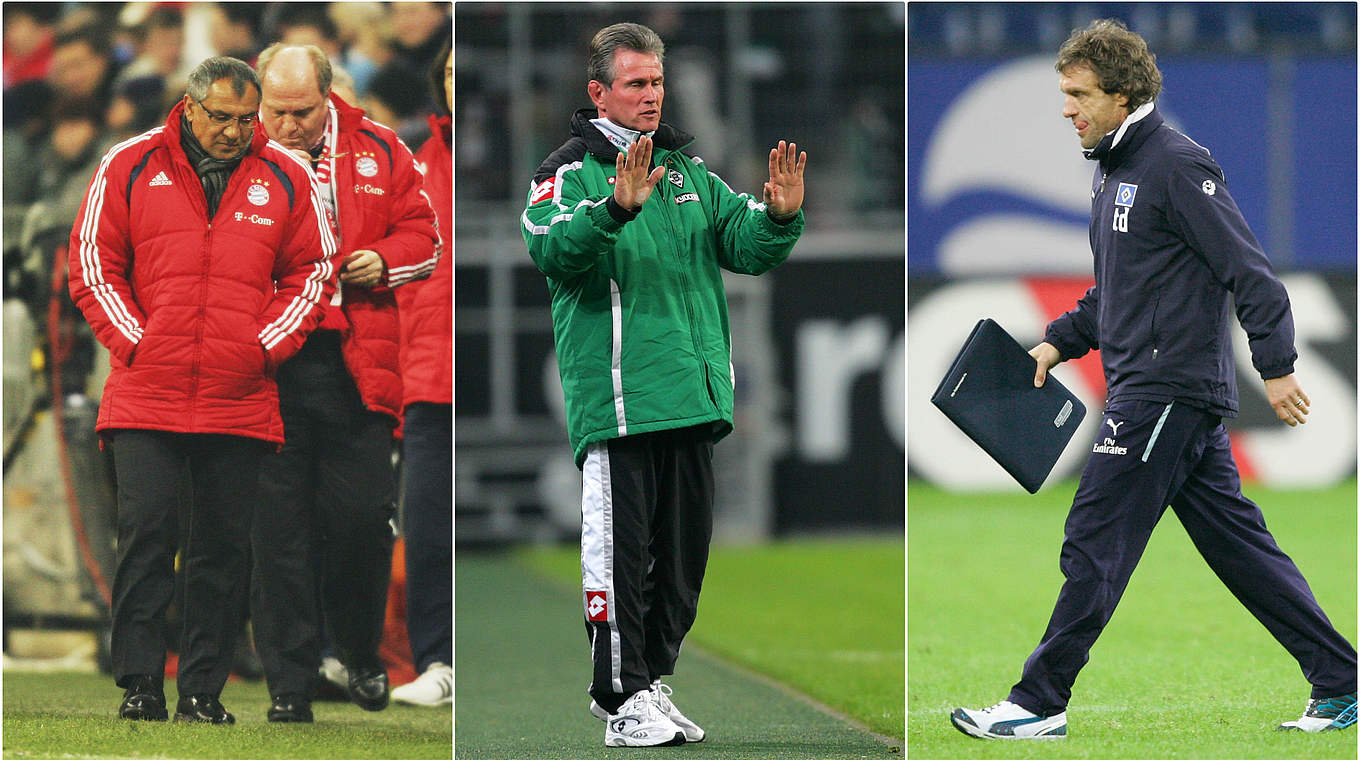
x=1172, y=255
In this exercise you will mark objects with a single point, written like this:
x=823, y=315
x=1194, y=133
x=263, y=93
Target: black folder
x=989, y=393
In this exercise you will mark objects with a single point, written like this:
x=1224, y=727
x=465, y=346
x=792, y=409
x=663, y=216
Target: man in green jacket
x=633, y=255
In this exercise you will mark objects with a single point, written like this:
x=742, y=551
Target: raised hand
x=784, y=191
x=632, y=183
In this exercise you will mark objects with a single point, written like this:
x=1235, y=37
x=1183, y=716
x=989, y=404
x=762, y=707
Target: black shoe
x=368, y=688
x=202, y=708
x=143, y=700
x=290, y=708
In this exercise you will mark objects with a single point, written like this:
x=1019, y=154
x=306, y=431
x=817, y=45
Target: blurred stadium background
x=818, y=342
x=78, y=78
x=998, y=210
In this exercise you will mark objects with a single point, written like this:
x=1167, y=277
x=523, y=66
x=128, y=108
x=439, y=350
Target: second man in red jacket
x=328, y=497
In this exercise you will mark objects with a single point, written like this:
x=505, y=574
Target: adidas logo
x=159, y=180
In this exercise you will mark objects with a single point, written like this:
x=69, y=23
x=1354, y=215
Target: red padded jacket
x=197, y=312
x=381, y=206
x=427, y=307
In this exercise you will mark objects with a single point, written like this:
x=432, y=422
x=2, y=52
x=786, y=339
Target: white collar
x=1130, y=120
x=620, y=137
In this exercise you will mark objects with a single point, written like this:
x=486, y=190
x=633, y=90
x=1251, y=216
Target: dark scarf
x=212, y=172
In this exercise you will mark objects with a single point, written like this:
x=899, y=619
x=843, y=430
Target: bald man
x=323, y=530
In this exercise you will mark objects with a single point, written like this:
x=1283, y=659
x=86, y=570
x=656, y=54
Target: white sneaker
x=661, y=694
x=640, y=723
x=1007, y=720
x=433, y=688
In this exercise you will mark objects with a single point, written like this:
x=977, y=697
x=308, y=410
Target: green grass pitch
x=75, y=715
x=778, y=623
x=1181, y=671
x=821, y=615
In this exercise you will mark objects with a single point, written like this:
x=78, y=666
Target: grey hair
x=600, y=66
x=221, y=67
x=320, y=63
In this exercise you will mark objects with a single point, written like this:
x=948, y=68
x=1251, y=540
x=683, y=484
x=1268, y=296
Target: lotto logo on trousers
x=597, y=606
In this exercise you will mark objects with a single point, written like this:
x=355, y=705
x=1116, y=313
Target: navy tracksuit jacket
x=1172, y=253
x=1171, y=250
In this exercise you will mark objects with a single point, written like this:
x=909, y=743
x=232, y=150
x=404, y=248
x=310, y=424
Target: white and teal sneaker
x=1331, y=714
x=1007, y=720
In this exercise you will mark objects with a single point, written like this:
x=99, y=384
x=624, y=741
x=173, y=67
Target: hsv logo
x=159, y=180
x=543, y=190
x=597, y=606
x=1123, y=199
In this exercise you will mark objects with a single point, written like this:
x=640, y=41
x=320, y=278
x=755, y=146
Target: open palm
x=784, y=190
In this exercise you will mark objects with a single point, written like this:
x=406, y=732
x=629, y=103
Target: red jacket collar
x=441, y=127
x=350, y=116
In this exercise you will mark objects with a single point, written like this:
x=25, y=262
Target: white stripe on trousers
x=597, y=549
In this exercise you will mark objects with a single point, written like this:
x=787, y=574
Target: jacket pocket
x=1156, y=338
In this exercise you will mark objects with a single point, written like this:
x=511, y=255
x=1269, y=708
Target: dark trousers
x=1149, y=455
x=221, y=472
x=428, y=521
x=322, y=539
x=647, y=517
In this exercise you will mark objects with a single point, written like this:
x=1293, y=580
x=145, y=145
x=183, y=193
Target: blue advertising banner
x=997, y=183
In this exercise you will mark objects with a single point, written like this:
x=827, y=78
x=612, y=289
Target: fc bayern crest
x=257, y=194
x=366, y=166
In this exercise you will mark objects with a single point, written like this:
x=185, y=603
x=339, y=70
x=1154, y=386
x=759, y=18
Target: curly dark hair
x=1119, y=58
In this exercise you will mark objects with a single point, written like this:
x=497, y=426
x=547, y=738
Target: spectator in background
x=306, y=24
x=28, y=40
x=195, y=323
x=394, y=102
x=159, y=42
x=136, y=105
x=234, y=27
x=26, y=125
x=362, y=28
x=68, y=160
x=427, y=396
x=419, y=31
x=82, y=65
x=331, y=486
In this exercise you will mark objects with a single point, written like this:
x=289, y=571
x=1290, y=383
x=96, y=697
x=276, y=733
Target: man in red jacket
x=201, y=257
x=427, y=376
x=331, y=489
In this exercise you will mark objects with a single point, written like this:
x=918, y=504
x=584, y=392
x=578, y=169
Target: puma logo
x=1114, y=425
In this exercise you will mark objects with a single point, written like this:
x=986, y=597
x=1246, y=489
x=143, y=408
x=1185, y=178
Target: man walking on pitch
x=201, y=258
x=640, y=321
x=331, y=488
x=1172, y=253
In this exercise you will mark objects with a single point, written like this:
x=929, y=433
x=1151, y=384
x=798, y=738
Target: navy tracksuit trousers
x=1148, y=455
